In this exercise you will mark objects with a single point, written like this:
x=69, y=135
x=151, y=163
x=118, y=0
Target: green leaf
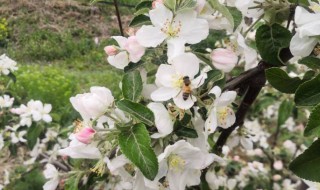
x=307, y=164
x=185, y=5
x=12, y=77
x=132, y=86
x=237, y=16
x=140, y=20
x=215, y=4
x=142, y=12
x=313, y=125
x=281, y=81
x=33, y=134
x=72, y=182
x=270, y=40
x=213, y=76
x=186, y=132
x=137, y=110
x=285, y=111
x=132, y=66
x=308, y=93
x=311, y=62
x=135, y=144
x=170, y=4
x=143, y=5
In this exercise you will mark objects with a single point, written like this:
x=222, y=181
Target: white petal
x=47, y=118
x=302, y=46
x=120, y=60
x=150, y=36
x=229, y=120
x=184, y=104
x=160, y=15
x=163, y=120
x=164, y=94
x=165, y=75
x=197, y=82
x=176, y=47
x=234, y=141
x=147, y=90
x=51, y=185
x=226, y=98
x=121, y=41
x=303, y=17
x=216, y=90
x=211, y=122
x=186, y=64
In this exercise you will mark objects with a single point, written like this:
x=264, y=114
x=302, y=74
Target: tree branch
x=253, y=81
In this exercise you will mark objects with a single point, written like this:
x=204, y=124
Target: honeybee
x=186, y=89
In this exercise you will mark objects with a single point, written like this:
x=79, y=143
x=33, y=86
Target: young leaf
x=33, y=134
x=308, y=93
x=140, y=20
x=135, y=144
x=215, y=4
x=143, y=5
x=186, y=132
x=313, y=125
x=307, y=164
x=237, y=16
x=285, y=111
x=137, y=110
x=132, y=86
x=281, y=81
x=270, y=40
x=311, y=62
x=132, y=66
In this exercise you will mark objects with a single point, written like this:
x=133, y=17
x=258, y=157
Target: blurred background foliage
x=58, y=45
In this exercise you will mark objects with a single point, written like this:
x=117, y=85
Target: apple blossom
x=305, y=39
x=278, y=165
x=85, y=135
x=52, y=174
x=1, y=141
x=179, y=29
x=219, y=113
x=245, y=6
x=239, y=138
x=77, y=149
x=182, y=164
x=7, y=65
x=94, y=104
x=169, y=79
x=6, y=101
x=224, y=59
x=129, y=50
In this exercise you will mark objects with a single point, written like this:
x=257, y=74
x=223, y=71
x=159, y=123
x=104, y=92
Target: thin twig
x=118, y=16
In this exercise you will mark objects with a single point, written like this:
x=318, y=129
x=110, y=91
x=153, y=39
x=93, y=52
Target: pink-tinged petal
x=135, y=50
x=119, y=61
x=85, y=135
x=121, y=41
x=164, y=94
x=186, y=64
x=160, y=15
x=150, y=36
x=224, y=59
x=184, y=104
x=165, y=74
x=302, y=46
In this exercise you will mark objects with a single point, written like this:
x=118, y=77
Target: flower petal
x=119, y=61
x=186, y=64
x=160, y=15
x=150, y=36
x=164, y=94
x=302, y=46
x=184, y=104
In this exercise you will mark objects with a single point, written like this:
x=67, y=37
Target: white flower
x=7, y=65
x=40, y=111
x=312, y=185
x=15, y=139
x=238, y=138
x=215, y=181
x=6, y=101
x=129, y=50
x=170, y=80
x=78, y=149
x=178, y=30
x=256, y=167
x=182, y=163
x=224, y=59
x=307, y=32
x=250, y=55
x=52, y=174
x=94, y=104
x=220, y=114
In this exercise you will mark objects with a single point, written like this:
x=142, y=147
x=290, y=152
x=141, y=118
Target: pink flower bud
x=110, y=50
x=155, y=2
x=276, y=177
x=224, y=59
x=85, y=135
x=278, y=165
x=136, y=51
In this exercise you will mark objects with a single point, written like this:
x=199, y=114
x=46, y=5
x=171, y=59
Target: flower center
x=176, y=163
x=172, y=29
x=177, y=81
x=315, y=8
x=222, y=114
